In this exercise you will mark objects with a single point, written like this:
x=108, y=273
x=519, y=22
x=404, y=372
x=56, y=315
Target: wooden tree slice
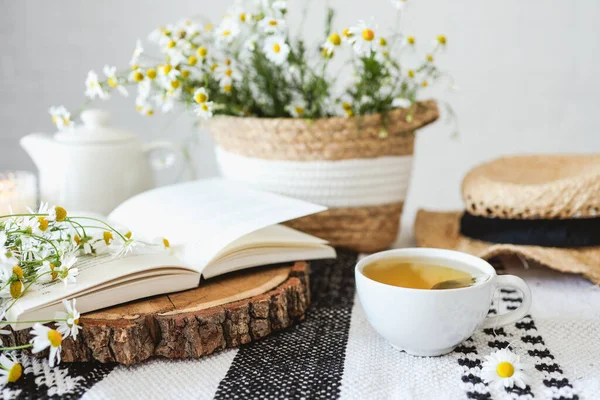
x=223, y=312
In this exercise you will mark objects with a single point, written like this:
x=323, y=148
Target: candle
x=18, y=190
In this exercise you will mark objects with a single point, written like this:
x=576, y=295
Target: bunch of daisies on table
x=43, y=248
x=250, y=65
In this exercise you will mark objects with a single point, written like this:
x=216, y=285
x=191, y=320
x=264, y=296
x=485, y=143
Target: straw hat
x=531, y=195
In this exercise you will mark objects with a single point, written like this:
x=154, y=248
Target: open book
x=213, y=226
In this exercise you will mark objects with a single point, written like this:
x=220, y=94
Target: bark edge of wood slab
x=222, y=313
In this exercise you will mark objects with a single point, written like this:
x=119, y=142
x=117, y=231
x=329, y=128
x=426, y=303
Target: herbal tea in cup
x=418, y=275
x=398, y=291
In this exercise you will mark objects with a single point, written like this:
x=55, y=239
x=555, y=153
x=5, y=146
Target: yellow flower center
x=425, y=84
x=138, y=76
x=214, y=66
x=134, y=67
x=61, y=213
x=276, y=48
x=346, y=106
x=175, y=84
x=243, y=17
x=299, y=110
x=128, y=235
x=76, y=321
x=54, y=275
x=429, y=58
x=411, y=40
x=411, y=73
x=171, y=44
x=54, y=119
x=192, y=60
x=43, y=223
x=55, y=337
x=165, y=240
x=382, y=42
x=112, y=82
x=204, y=106
x=15, y=372
x=227, y=61
x=202, y=51
x=150, y=113
x=185, y=73
x=346, y=32
x=349, y=113
x=441, y=39
x=226, y=33
x=18, y=271
x=151, y=73
x=108, y=236
x=227, y=88
x=166, y=69
x=16, y=288
x=273, y=22
x=335, y=39
x=368, y=35
x=208, y=27
x=228, y=72
x=505, y=369
x=77, y=240
x=200, y=98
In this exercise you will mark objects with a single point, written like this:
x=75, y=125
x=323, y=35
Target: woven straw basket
x=358, y=167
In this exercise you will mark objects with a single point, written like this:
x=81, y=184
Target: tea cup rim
x=469, y=259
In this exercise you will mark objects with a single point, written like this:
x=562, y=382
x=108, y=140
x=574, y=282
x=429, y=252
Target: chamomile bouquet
x=249, y=64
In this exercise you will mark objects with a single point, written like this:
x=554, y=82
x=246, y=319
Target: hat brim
x=442, y=230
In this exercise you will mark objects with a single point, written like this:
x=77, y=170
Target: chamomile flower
x=44, y=337
x=10, y=369
x=204, y=110
x=440, y=42
x=94, y=88
x=47, y=271
x=504, y=368
x=400, y=102
x=168, y=73
x=137, y=53
x=276, y=49
x=67, y=272
x=271, y=25
x=363, y=38
x=61, y=117
x=409, y=41
x=227, y=30
x=297, y=109
x=113, y=81
x=333, y=41
x=69, y=320
x=201, y=95
x=143, y=106
x=226, y=73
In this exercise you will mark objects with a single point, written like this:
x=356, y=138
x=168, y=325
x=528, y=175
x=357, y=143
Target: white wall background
x=528, y=72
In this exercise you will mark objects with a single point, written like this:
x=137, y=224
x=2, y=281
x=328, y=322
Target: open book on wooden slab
x=214, y=227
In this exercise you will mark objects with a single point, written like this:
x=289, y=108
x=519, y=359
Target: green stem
x=103, y=223
x=25, y=346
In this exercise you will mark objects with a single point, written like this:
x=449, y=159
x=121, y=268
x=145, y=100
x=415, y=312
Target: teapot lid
x=96, y=128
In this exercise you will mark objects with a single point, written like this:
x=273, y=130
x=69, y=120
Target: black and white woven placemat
x=333, y=354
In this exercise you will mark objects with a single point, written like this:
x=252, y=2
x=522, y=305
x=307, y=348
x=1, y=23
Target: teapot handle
x=173, y=153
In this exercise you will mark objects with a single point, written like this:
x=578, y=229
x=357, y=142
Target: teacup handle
x=514, y=315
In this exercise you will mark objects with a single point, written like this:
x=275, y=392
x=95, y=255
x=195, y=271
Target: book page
x=94, y=272
x=201, y=218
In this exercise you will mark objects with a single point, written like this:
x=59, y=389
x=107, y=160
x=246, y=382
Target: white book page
x=93, y=272
x=201, y=218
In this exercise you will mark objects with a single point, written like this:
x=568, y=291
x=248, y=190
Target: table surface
x=335, y=353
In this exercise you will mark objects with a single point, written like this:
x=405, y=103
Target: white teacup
x=433, y=322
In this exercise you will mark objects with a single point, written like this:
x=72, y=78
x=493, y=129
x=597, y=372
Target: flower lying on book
x=249, y=64
x=41, y=247
x=504, y=368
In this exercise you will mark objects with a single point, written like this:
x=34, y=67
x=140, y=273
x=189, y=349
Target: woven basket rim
x=422, y=103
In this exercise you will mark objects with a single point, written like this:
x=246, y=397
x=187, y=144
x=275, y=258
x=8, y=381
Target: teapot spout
x=37, y=146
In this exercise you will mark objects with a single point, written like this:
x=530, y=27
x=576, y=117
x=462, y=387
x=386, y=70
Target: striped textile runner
x=335, y=354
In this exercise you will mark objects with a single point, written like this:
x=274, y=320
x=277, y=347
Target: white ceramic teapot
x=93, y=167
